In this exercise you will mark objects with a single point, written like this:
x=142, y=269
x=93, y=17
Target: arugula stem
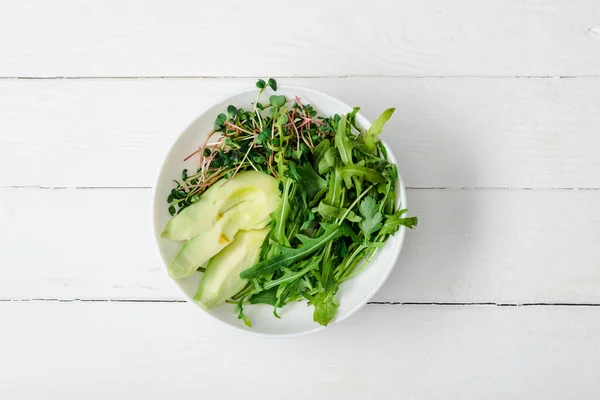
x=354, y=203
x=352, y=274
x=257, y=112
x=349, y=261
x=302, y=272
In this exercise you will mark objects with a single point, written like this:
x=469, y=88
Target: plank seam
x=493, y=304
x=384, y=303
x=184, y=77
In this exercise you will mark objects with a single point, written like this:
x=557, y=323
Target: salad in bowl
x=280, y=199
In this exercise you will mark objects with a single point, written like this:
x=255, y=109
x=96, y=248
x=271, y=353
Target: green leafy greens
x=338, y=196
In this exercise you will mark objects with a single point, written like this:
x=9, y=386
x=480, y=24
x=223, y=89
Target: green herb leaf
x=219, y=122
x=368, y=174
x=306, y=224
x=232, y=111
x=272, y=83
x=263, y=136
x=330, y=213
x=265, y=297
x=326, y=306
x=239, y=310
x=292, y=275
x=281, y=213
x=393, y=222
x=283, y=118
x=348, y=231
x=334, y=194
x=343, y=143
x=311, y=182
x=376, y=128
x=383, y=150
x=289, y=256
x=319, y=152
x=260, y=84
x=318, y=197
x=277, y=101
x=352, y=118
x=328, y=160
x=371, y=217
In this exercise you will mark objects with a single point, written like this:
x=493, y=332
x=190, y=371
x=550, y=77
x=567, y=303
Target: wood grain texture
x=316, y=38
x=471, y=246
x=460, y=132
x=158, y=351
x=493, y=98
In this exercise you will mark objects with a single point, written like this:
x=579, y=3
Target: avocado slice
x=221, y=280
x=201, y=248
x=245, y=202
x=254, y=188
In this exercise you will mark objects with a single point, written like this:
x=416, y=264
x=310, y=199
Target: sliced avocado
x=255, y=188
x=221, y=280
x=198, y=250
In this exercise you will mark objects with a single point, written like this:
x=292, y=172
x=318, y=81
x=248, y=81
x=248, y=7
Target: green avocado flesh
x=221, y=280
x=248, y=189
x=243, y=206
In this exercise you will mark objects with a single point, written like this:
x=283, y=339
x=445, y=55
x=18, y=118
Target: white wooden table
x=496, y=294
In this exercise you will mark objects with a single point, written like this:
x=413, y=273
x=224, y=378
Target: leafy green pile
x=338, y=197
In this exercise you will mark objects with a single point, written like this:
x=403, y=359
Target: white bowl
x=296, y=319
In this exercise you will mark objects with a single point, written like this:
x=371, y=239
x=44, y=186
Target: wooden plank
x=446, y=132
x=316, y=38
x=157, y=351
x=471, y=246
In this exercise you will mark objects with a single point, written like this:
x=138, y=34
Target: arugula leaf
x=371, y=217
x=348, y=231
x=318, y=197
x=357, y=181
x=293, y=172
x=369, y=174
x=239, y=310
x=289, y=255
x=387, y=205
x=383, y=151
x=330, y=213
x=306, y=224
x=352, y=118
x=311, y=182
x=290, y=275
x=328, y=160
x=319, y=152
x=326, y=306
x=281, y=213
x=343, y=143
x=393, y=222
x=266, y=247
x=265, y=297
x=376, y=128
x=334, y=194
